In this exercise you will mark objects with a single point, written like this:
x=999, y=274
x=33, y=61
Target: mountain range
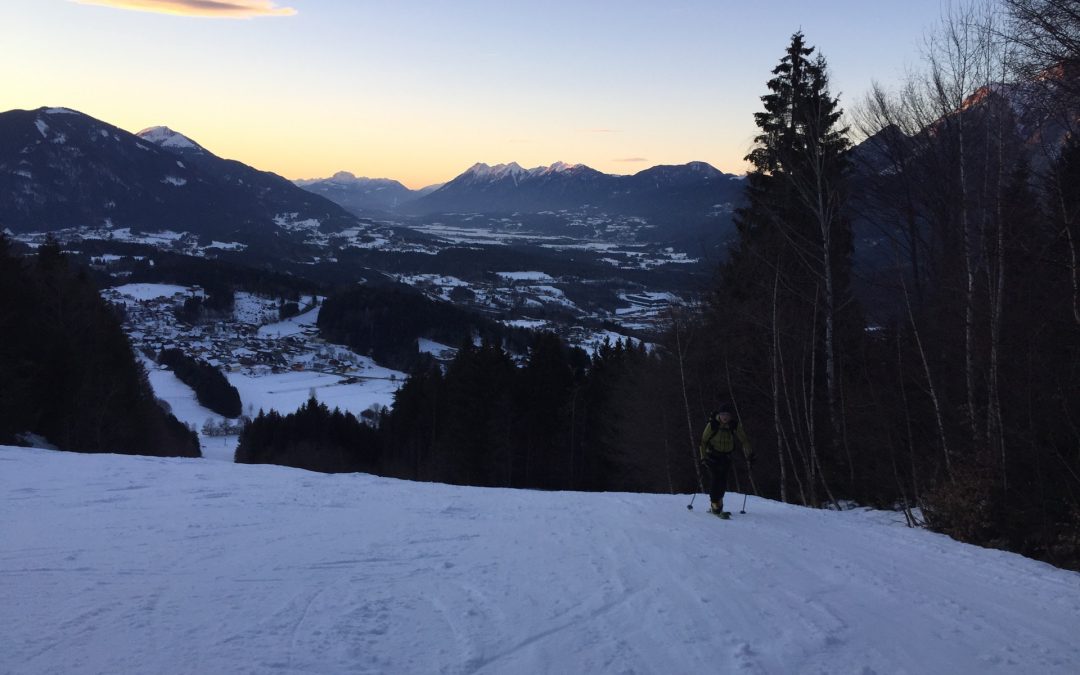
x=665, y=194
x=361, y=195
x=62, y=169
x=682, y=195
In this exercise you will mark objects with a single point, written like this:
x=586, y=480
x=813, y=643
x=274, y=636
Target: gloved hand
x=751, y=459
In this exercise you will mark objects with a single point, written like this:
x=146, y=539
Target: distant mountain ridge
x=360, y=195
x=695, y=190
x=60, y=169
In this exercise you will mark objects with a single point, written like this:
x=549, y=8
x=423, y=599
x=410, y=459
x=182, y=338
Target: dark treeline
x=559, y=421
x=488, y=422
x=384, y=320
x=212, y=390
x=312, y=438
x=67, y=371
x=220, y=278
x=217, y=302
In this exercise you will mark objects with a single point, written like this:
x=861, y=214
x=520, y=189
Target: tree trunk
x=775, y=354
x=929, y=383
x=681, y=352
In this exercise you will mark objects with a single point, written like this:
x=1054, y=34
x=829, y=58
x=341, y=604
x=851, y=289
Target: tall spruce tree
x=794, y=256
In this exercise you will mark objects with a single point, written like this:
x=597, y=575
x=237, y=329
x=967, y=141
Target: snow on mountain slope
x=116, y=564
x=483, y=172
x=167, y=138
x=81, y=175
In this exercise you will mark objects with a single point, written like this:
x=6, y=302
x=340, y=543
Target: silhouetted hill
x=62, y=169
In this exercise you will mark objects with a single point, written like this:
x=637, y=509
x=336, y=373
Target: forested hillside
x=68, y=371
x=958, y=391
x=384, y=320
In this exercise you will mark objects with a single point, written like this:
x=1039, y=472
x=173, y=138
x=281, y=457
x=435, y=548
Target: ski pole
x=750, y=474
x=690, y=506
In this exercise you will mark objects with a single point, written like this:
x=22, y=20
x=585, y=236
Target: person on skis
x=723, y=436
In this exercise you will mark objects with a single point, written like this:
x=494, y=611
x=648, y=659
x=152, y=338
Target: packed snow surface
x=115, y=564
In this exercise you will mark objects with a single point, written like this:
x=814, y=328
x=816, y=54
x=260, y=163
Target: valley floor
x=114, y=564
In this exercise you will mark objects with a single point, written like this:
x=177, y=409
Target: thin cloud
x=635, y=160
x=215, y=9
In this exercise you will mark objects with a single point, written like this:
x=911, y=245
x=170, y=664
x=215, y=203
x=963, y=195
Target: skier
x=722, y=436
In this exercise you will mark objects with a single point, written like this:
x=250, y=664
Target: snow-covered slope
x=115, y=564
x=172, y=140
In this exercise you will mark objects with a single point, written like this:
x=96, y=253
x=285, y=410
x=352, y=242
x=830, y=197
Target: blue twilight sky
x=418, y=90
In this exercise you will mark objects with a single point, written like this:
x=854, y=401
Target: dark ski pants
x=718, y=465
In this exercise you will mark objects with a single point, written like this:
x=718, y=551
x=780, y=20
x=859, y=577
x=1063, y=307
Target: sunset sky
x=419, y=90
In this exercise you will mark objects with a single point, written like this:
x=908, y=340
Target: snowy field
x=129, y=293
x=364, y=385
x=286, y=392
x=525, y=276
x=114, y=564
x=296, y=325
x=182, y=403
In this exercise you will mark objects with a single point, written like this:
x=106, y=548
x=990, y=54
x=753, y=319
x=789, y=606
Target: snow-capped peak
x=481, y=171
x=557, y=167
x=497, y=172
x=167, y=138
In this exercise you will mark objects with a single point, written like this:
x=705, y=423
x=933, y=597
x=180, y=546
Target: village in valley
x=274, y=363
x=252, y=340
x=271, y=350
x=256, y=340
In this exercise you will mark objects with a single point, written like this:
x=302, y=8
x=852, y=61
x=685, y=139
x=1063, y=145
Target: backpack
x=736, y=444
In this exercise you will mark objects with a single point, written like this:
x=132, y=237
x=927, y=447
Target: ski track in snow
x=113, y=564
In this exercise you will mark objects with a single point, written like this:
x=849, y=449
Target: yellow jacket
x=720, y=438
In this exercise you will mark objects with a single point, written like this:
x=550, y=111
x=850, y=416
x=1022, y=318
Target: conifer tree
x=544, y=399
x=794, y=254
